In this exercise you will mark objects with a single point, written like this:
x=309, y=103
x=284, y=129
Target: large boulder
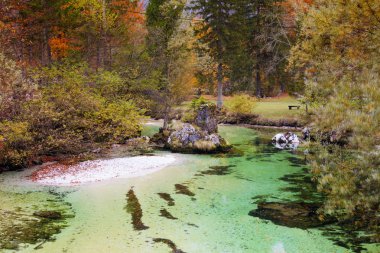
x=206, y=118
x=190, y=139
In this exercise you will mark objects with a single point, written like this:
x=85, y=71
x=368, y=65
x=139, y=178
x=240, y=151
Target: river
x=208, y=198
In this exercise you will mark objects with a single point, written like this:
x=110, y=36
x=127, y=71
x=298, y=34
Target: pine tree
x=215, y=32
x=163, y=20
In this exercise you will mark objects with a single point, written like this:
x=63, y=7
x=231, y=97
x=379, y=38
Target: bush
x=190, y=114
x=69, y=114
x=15, y=144
x=241, y=104
x=197, y=102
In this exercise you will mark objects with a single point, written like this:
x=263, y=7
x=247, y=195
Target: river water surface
x=212, y=216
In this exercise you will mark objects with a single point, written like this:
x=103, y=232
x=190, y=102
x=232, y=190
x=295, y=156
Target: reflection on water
x=200, y=204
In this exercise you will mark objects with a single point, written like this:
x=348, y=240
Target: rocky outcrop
x=189, y=139
x=295, y=215
x=161, y=138
x=206, y=118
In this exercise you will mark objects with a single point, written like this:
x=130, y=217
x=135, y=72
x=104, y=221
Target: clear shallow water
x=215, y=219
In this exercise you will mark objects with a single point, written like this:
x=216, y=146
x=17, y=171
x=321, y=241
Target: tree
x=215, y=33
x=163, y=20
x=337, y=54
x=265, y=40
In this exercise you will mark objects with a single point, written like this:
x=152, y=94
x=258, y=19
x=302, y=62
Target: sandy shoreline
x=100, y=170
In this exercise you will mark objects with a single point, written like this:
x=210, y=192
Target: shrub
x=197, y=102
x=189, y=115
x=15, y=144
x=69, y=114
x=241, y=104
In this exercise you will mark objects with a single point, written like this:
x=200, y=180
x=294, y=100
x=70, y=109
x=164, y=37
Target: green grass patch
x=269, y=108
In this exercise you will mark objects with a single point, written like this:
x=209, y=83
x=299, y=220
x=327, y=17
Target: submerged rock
x=295, y=215
x=189, y=139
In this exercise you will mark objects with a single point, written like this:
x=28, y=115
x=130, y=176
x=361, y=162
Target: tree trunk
x=98, y=60
x=167, y=103
x=47, y=46
x=166, y=117
x=220, y=85
x=104, y=36
x=259, y=92
x=282, y=87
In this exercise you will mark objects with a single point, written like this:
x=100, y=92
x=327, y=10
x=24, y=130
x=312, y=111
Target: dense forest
x=79, y=74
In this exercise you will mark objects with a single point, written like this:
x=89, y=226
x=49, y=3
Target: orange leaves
x=134, y=13
x=60, y=46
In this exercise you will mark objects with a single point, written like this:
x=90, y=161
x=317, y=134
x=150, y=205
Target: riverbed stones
x=294, y=214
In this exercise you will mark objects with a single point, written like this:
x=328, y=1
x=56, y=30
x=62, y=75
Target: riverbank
x=58, y=174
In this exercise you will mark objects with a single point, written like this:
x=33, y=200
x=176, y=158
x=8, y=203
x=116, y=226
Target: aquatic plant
x=183, y=189
x=167, y=197
x=168, y=242
x=134, y=208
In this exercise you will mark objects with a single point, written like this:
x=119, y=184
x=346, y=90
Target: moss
x=134, y=208
x=169, y=243
x=182, y=189
x=167, y=197
x=165, y=213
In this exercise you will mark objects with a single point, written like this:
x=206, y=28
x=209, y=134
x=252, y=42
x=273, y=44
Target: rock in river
x=190, y=139
x=206, y=118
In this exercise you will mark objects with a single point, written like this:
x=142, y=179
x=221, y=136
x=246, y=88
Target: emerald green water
x=215, y=219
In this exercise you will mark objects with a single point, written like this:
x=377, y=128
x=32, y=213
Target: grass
x=270, y=108
x=276, y=108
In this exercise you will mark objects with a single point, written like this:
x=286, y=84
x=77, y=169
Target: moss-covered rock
x=190, y=139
